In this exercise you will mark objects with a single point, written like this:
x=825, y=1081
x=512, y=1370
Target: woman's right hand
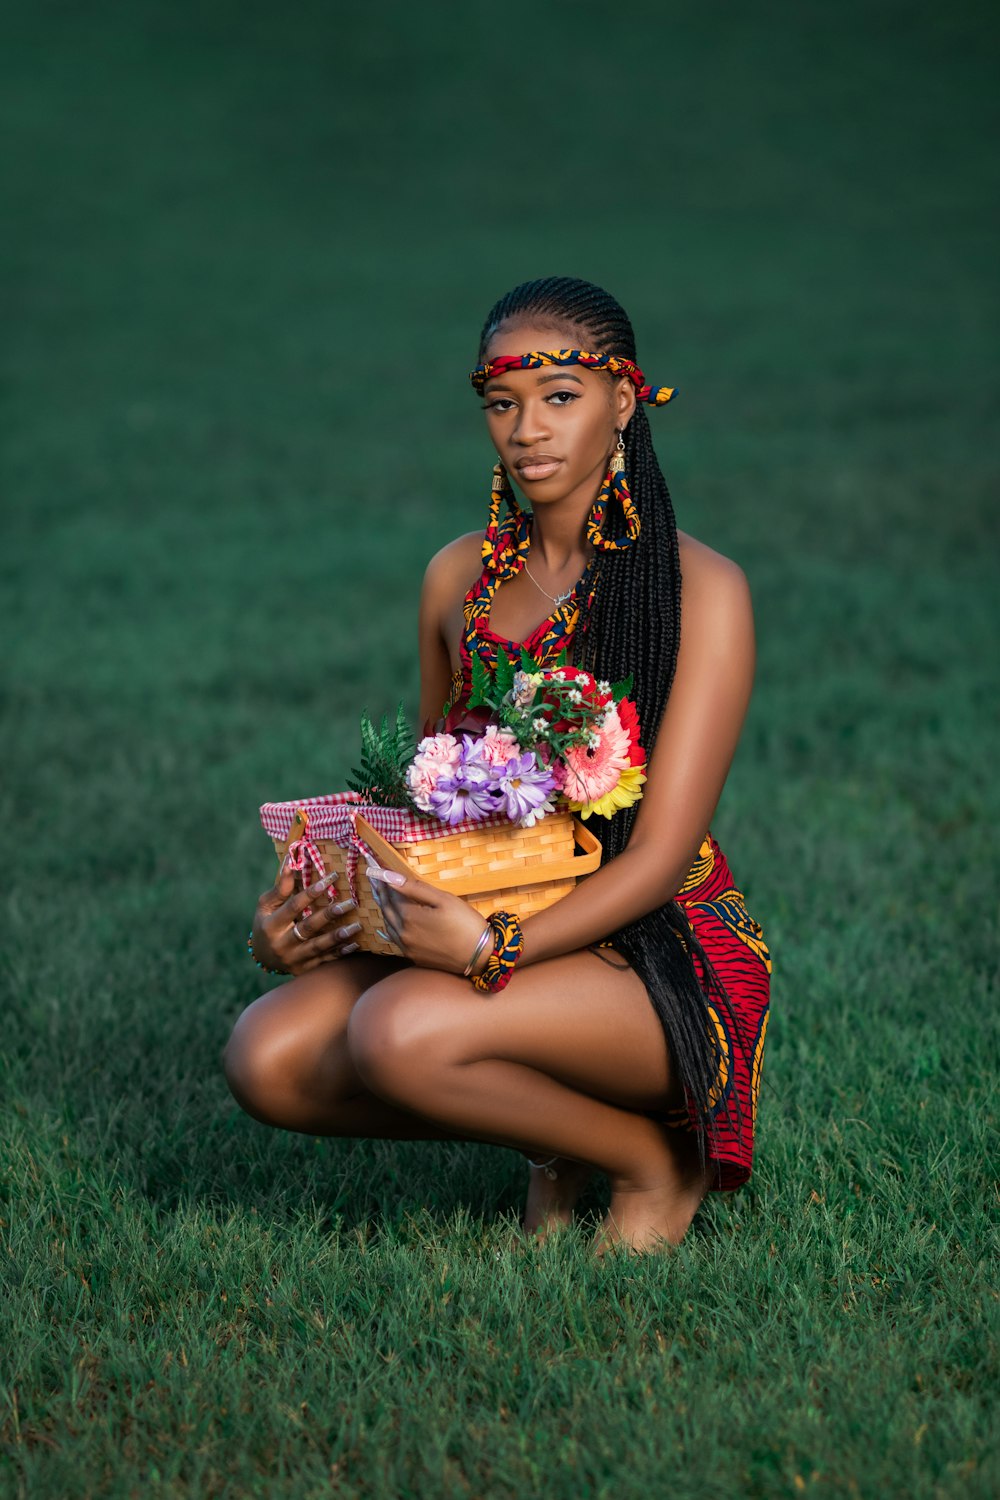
x=327, y=933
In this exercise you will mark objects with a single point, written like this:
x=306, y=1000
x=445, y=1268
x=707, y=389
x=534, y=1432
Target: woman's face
x=554, y=427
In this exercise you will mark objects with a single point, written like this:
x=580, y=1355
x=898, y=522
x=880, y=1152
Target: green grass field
x=246, y=263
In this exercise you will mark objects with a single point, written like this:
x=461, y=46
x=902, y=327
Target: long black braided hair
x=634, y=626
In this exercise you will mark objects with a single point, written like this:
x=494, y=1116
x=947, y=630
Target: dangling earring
x=615, y=486
x=497, y=536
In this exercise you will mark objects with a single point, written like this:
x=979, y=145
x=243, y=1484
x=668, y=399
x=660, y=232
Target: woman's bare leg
x=287, y=1062
x=563, y=1062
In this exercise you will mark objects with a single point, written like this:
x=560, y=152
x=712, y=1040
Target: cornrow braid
x=634, y=626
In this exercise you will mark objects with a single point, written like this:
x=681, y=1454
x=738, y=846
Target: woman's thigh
x=294, y=1037
x=574, y=1017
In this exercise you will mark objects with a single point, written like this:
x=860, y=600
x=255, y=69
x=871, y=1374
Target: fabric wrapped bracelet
x=508, y=941
x=256, y=960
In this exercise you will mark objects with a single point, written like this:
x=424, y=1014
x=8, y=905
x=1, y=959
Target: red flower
x=629, y=715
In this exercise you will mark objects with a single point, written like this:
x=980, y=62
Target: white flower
x=533, y=814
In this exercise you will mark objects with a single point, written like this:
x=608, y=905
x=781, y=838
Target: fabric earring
x=499, y=534
x=615, y=486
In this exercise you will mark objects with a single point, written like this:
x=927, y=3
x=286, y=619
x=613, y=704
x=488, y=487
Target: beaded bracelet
x=508, y=943
x=257, y=960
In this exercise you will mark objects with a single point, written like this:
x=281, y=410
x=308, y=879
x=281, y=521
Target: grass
x=250, y=260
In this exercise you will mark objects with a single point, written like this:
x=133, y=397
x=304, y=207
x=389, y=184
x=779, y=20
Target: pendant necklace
x=556, y=598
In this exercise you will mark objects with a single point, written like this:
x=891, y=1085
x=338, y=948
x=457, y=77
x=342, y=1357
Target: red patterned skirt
x=735, y=946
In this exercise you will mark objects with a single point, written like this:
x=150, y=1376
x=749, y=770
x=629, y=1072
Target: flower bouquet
x=488, y=804
x=531, y=739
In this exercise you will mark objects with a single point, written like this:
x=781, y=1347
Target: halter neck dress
x=715, y=907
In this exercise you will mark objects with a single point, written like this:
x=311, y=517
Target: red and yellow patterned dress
x=732, y=939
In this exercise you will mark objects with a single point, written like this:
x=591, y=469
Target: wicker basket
x=489, y=864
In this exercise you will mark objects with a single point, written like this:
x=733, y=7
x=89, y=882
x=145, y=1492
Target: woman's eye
x=501, y=403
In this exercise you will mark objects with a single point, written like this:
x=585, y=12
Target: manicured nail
x=393, y=877
x=349, y=948
x=327, y=880
x=339, y=908
x=346, y=932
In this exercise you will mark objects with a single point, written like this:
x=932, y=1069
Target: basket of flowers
x=491, y=806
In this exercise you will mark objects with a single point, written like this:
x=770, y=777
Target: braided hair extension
x=633, y=625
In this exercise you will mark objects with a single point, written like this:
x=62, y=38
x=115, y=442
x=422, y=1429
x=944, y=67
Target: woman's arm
x=446, y=579
x=687, y=770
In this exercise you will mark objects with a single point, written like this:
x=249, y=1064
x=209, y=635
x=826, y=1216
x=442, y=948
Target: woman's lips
x=540, y=470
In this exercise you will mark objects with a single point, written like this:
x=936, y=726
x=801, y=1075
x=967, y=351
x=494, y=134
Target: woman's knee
x=395, y=1037
x=254, y=1059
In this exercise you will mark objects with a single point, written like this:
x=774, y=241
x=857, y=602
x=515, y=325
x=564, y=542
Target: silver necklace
x=556, y=598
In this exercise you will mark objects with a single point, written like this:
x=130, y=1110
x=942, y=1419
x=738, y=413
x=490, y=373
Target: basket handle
x=494, y=880
x=385, y=852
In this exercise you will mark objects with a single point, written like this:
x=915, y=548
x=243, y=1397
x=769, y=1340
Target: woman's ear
x=625, y=398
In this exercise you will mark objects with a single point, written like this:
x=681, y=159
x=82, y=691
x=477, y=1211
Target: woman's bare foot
x=641, y=1219
x=551, y=1200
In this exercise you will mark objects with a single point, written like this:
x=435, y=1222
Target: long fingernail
x=341, y=908
x=346, y=932
x=393, y=877
x=327, y=880
x=349, y=948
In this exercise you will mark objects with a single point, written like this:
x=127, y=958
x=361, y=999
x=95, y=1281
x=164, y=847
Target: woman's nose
x=531, y=426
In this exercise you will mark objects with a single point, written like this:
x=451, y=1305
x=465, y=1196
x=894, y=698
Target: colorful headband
x=654, y=395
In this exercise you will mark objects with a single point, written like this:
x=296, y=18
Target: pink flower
x=437, y=755
x=591, y=771
x=497, y=747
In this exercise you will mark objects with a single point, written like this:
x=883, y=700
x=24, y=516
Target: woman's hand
x=281, y=941
x=432, y=928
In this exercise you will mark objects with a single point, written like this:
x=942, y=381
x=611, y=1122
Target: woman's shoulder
x=716, y=608
x=454, y=568
x=698, y=560
x=705, y=571
x=459, y=559
x=458, y=554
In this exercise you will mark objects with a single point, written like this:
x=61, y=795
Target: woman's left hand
x=432, y=928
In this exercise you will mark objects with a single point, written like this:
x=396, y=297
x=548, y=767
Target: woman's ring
x=300, y=935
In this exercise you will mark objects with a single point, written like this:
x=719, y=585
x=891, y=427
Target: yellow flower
x=623, y=795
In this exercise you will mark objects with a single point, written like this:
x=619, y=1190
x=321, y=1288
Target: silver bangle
x=487, y=934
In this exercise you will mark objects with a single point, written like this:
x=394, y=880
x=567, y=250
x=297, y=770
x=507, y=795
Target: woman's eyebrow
x=559, y=375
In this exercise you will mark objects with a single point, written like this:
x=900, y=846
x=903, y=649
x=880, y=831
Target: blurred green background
x=247, y=256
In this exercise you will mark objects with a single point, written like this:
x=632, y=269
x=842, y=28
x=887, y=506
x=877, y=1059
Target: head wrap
x=654, y=395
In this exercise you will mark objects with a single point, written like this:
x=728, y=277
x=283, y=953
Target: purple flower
x=525, y=785
x=470, y=793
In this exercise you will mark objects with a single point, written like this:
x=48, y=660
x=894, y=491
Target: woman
x=629, y=1036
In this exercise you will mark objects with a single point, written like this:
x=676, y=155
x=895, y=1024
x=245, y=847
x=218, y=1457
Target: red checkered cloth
x=335, y=817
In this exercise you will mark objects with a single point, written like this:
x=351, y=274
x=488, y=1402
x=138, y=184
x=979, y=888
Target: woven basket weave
x=492, y=865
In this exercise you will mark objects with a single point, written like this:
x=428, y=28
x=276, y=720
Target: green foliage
x=482, y=682
x=385, y=754
x=504, y=674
